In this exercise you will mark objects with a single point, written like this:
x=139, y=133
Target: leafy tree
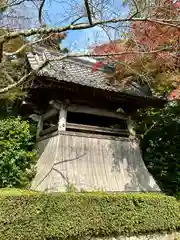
x=160, y=131
x=12, y=67
x=53, y=41
x=3, y=5
x=16, y=139
x=17, y=158
x=150, y=53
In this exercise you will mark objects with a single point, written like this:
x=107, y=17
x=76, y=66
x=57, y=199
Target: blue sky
x=58, y=11
x=62, y=12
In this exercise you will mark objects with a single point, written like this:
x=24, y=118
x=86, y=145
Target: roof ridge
x=84, y=61
x=81, y=60
x=55, y=52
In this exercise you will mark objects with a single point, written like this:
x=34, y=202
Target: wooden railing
x=88, y=129
x=95, y=129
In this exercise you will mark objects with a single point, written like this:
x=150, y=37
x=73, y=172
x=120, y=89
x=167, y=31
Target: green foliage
x=13, y=44
x=3, y=5
x=11, y=72
x=60, y=216
x=160, y=131
x=16, y=155
x=124, y=2
x=70, y=187
x=12, y=67
x=177, y=196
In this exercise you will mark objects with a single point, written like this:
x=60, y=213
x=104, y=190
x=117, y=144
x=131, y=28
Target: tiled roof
x=77, y=70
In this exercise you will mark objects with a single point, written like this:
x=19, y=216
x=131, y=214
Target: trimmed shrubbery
x=32, y=215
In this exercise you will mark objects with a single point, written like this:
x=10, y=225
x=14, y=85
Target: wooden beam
x=89, y=110
x=49, y=130
x=39, y=127
x=87, y=128
x=71, y=126
x=62, y=118
x=55, y=104
x=95, y=111
x=35, y=117
x=50, y=113
x=131, y=130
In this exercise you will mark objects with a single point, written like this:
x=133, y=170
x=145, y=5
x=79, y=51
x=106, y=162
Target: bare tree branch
x=23, y=47
x=73, y=22
x=94, y=55
x=1, y=50
x=41, y=12
x=28, y=77
x=24, y=78
x=9, y=78
x=15, y=3
x=80, y=26
x=110, y=21
x=86, y=3
x=137, y=8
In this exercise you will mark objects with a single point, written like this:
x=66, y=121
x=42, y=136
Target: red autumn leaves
x=97, y=66
x=148, y=36
x=160, y=41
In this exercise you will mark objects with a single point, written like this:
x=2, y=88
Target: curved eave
x=142, y=101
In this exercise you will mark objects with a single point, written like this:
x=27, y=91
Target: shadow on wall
x=91, y=163
x=131, y=159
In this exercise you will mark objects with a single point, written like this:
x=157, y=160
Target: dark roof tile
x=77, y=70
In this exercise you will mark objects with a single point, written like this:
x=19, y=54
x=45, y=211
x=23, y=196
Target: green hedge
x=30, y=215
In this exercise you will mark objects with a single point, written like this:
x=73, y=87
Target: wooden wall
x=91, y=162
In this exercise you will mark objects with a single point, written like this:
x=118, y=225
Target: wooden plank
x=131, y=130
x=85, y=135
x=55, y=104
x=49, y=113
x=95, y=129
x=95, y=111
x=49, y=130
x=87, y=128
x=62, y=118
x=91, y=165
x=39, y=127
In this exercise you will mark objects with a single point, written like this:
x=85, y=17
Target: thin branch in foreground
x=41, y=12
x=77, y=19
x=115, y=54
x=137, y=9
x=27, y=77
x=1, y=51
x=90, y=54
x=80, y=26
x=23, y=47
x=88, y=11
x=2, y=7
x=9, y=78
x=23, y=79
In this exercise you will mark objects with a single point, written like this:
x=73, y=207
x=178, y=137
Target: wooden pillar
x=62, y=118
x=131, y=130
x=39, y=126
